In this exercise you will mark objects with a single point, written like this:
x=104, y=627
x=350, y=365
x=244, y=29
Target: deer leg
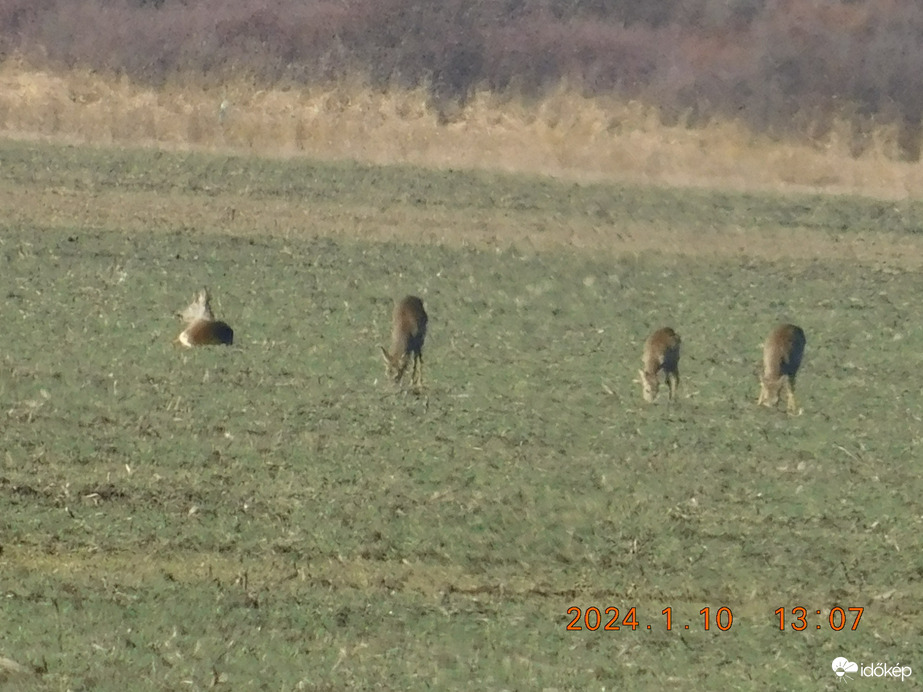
x=790, y=396
x=418, y=370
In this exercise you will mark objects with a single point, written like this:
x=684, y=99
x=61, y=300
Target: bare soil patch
x=145, y=212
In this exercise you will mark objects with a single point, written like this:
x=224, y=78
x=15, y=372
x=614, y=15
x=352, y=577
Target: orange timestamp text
x=611, y=619
x=801, y=618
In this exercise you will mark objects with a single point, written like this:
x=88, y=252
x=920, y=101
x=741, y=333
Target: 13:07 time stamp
x=798, y=618
x=836, y=619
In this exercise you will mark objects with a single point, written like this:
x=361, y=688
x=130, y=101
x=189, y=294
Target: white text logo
x=843, y=666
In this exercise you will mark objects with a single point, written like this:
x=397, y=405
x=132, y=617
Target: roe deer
x=782, y=355
x=661, y=352
x=408, y=330
x=202, y=328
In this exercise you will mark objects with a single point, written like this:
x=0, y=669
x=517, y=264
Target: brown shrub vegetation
x=786, y=68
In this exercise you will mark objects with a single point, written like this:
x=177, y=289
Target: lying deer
x=202, y=329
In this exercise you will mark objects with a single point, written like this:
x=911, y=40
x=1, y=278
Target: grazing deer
x=661, y=352
x=202, y=329
x=408, y=330
x=782, y=355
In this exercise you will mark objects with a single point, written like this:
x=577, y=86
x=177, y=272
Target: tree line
x=789, y=68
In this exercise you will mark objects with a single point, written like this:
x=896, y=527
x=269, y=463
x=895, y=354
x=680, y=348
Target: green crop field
x=276, y=515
